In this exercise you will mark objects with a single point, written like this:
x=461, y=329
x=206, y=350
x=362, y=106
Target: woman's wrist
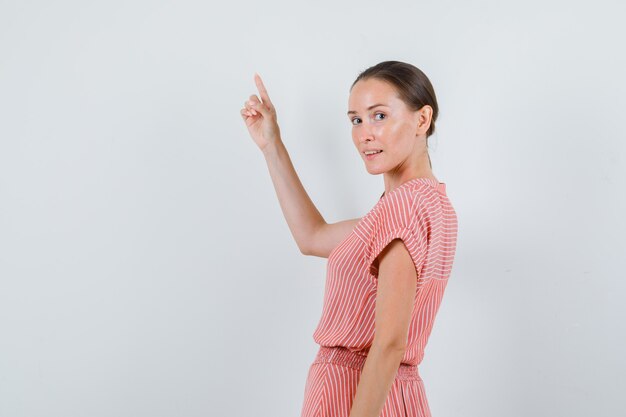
x=272, y=148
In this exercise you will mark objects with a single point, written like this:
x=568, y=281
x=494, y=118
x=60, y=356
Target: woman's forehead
x=365, y=97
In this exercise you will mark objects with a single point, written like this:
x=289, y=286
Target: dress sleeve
x=400, y=215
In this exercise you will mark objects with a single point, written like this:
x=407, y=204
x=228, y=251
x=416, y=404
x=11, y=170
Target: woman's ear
x=424, y=117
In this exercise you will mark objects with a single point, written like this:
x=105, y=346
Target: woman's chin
x=373, y=171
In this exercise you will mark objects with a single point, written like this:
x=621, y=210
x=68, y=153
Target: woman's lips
x=372, y=156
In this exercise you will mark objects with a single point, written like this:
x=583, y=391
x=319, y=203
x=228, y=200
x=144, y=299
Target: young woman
x=386, y=271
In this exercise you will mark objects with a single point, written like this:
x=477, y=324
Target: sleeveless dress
x=420, y=213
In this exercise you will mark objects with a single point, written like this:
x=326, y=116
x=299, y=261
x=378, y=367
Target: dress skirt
x=332, y=382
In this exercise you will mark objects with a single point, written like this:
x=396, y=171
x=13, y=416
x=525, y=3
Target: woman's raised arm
x=311, y=232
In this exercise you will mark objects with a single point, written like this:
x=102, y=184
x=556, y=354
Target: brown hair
x=412, y=85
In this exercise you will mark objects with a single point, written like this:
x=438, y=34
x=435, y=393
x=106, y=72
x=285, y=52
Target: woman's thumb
x=259, y=107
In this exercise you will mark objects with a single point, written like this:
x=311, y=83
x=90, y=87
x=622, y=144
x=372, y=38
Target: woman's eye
x=376, y=114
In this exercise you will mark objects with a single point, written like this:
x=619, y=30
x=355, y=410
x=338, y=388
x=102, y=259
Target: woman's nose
x=365, y=132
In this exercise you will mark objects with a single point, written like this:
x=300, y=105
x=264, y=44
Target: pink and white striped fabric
x=420, y=213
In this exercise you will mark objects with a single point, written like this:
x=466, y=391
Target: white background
x=146, y=268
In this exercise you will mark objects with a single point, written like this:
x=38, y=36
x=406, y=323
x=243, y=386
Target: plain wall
x=146, y=268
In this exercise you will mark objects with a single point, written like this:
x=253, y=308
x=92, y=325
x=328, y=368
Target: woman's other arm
x=397, y=283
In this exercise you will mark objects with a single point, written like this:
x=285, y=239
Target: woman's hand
x=260, y=117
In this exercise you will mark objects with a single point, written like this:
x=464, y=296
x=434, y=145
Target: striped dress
x=420, y=213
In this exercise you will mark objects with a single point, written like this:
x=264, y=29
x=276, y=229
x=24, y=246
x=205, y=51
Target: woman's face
x=381, y=121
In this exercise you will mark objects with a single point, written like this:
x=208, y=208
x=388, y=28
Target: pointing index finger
x=262, y=91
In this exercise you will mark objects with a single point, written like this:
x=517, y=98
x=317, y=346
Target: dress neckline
x=439, y=186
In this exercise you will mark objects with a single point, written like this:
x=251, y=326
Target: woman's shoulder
x=408, y=195
x=401, y=206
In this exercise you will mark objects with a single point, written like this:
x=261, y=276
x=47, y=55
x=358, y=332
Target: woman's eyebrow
x=369, y=108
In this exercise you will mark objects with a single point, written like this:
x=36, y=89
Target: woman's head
x=400, y=127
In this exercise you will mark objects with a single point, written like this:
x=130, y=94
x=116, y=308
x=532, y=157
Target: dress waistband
x=341, y=355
